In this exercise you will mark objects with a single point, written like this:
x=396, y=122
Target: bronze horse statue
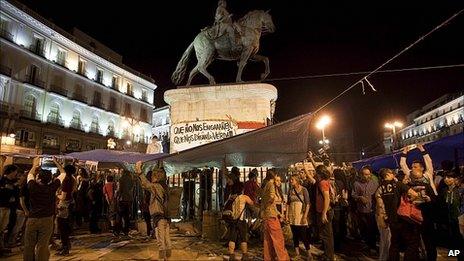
x=241, y=47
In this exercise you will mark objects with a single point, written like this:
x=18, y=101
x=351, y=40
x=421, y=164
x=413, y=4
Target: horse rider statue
x=227, y=40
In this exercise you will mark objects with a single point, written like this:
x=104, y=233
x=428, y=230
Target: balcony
x=27, y=144
x=5, y=70
x=7, y=35
x=82, y=72
x=76, y=125
x=58, y=89
x=55, y=120
x=62, y=62
x=28, y=114
x=130, y=93
x=144, y=98
x=38, y=49
x=35, y=81
x=79, y=97
x=97, y=103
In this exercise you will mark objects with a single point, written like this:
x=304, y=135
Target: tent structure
x=278, y=145
x=114, y=156
x=447, y=148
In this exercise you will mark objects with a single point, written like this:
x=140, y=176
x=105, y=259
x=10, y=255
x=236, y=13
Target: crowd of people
x=412, y=209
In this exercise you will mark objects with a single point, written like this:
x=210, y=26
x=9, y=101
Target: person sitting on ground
x=158, y=207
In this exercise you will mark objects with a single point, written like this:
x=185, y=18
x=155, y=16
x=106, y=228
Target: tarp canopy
x=114, y=156
x=278, y=145
x=447, y=148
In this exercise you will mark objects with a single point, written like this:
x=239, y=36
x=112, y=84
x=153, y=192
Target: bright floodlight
x=398, y=124
x=395, y=124
x=323, y=121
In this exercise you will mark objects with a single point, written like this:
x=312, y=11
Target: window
x=114, y=82
x=144, y=96
x=97, y=99
x=94, y=126
x=127, y=110
x=113, y=104
x=99, y=77
x=5, y=28
x=54, y=114
x=81, y=67
x=61, y=57
x=26, y=138
x=76, y=120
x=50, y=141
x=73, y=145
x=30, y=106
x=110, y=131
x=143, y=115
x=129, y=89
x=38, y=46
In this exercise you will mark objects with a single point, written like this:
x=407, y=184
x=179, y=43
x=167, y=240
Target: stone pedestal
x=204, y=114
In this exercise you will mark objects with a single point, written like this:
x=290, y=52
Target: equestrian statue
x=227, y=40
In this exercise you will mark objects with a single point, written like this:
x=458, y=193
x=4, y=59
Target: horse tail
x=179, y=73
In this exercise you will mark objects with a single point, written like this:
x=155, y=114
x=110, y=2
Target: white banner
x=192, y=134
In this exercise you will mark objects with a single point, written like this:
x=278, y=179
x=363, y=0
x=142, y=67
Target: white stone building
x=67, y=92
x=161, y=122
x=439, y=118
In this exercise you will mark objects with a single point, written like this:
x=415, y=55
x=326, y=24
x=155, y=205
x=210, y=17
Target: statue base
x=200, y=115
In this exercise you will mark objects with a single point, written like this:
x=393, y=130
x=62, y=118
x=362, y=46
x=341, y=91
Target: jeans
x=95, y=213
x=300, y=233
x=274, y=242
x=403, y=232
x=162, y=235
x=64, y=227
x=37, y=235
x=384, y=244
x=428, y=236
x=326, y=235
x=4, y=219
x=123, y=217
x=19, y=225
x=368, y=228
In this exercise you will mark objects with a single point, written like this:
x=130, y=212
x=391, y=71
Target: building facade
x=63, y=92
x=162, y=126
x=439, y=118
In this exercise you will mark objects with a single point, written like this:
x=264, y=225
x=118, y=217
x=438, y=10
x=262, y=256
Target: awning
x=447, y=148
x=114, y=156
x=278, y=145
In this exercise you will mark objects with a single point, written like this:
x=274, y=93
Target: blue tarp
x=447, y=148
x=114, y=156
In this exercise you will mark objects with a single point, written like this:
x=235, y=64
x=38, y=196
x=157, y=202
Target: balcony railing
x=130, y=93
x=98, y=103
x=5, y=34
x=27, y=144
x=55, y=120
x=5, y=70
x=35, y=81
x=61, y=61
x=144, y=98
x=58, y=89
x=30, y=114
x=82, y=72
x=79, y=97
x=38, y=49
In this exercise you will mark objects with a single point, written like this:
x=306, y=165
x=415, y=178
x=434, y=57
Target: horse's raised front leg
x=241, y=64
x=203, y=70
x=265, y=60
x=193, y=72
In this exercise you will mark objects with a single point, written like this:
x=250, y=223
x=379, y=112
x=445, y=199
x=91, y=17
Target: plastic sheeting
x=447, y=148
x=278, y=145
x=114, y=156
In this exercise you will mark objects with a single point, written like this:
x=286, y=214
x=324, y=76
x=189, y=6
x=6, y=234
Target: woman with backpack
x=158, y=207
x=297, y=214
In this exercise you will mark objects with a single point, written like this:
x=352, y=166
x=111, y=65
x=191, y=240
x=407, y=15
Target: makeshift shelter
x=447, y=148
x=278, y=145
x=114, y=156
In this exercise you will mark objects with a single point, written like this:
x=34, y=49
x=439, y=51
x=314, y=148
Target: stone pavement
x=185, y=247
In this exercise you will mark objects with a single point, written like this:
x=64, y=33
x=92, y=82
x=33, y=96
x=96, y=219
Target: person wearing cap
x=453, y=198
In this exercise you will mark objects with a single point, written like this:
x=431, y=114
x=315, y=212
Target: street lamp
x=393, y=126
x=321, y=124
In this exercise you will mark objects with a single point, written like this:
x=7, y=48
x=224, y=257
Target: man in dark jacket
x=125, y=197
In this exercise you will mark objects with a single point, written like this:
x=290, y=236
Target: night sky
x=311, y=38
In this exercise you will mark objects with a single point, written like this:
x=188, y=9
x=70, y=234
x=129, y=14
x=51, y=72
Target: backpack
x=171, y=202
x=227, y=212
